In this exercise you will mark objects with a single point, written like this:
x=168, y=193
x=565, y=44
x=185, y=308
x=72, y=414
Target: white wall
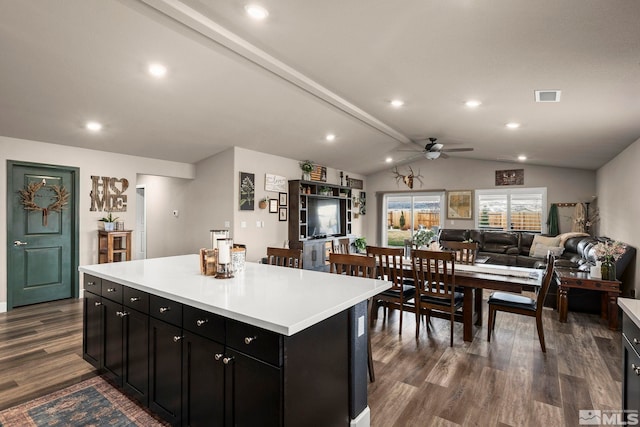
x=90, y=162
x=563, y=184
x=619, y=204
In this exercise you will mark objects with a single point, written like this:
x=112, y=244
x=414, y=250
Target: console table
x=114, y=246
x=572, y=279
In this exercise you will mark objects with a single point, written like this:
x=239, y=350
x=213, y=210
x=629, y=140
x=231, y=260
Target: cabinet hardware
x=134, y=299
x=635, y=341
x=249, y=340
x=635, y=368
x=218, y=356
x=19, y=243
x=227, y=360
x=177, y=338
x=164, y=309
x=91, y=283
x=122, y=313
x=201, y=322
x=111, y=289
x=97, y=303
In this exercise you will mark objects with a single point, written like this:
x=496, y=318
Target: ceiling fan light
x=432, y=155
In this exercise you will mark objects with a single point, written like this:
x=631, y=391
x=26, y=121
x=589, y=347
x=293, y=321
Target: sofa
x=514, y=248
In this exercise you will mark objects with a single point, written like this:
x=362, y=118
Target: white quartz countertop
x=279, y=299
x=632, y=308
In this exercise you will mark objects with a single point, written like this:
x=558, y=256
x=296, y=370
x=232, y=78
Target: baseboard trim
x=3, y=307
x=362, y=420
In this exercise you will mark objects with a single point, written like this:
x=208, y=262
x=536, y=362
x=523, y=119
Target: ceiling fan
x=434, y=149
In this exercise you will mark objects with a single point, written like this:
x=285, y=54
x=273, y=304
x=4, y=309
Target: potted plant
x=325, y=191
x=423, y=237
x=306, y=166
x=262, y=204
x=361, y=244
x=109, y=222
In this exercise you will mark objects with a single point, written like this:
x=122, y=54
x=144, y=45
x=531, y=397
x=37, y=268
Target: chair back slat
x=341, y=246
x=546, y=283
x=434, y=273
x=389, y=263
x=285, y=257
x=353, y=265
x=465, y=251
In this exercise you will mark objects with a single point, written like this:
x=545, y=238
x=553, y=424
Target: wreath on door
x=28, y=198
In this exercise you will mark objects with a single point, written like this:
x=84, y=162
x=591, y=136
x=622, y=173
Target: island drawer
x=203, y=323
x=165, y=309
x=92, y=284
x=138, y=300
x=112, y=291
x=257, y=342
x=631, y=332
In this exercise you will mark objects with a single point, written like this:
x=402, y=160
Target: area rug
x=93, y=402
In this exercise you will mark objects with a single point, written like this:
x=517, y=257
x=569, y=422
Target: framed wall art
x=247, y=191
x=319, y=173
x=273, y=205
x=282, y=214
x=282, y=199
x=460, y=204
x=510, y=177
x=275, y=182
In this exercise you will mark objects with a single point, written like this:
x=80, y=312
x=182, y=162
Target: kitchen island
x=271, y=346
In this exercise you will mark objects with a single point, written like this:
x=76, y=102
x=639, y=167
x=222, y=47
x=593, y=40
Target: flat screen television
x=323, y=217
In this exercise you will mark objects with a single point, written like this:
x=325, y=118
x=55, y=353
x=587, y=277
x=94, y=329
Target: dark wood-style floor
x=508, y=382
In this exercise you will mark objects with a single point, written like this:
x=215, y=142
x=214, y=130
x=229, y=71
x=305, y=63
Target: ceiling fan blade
x=443, y=155
x=411, y=151
x=456, y=150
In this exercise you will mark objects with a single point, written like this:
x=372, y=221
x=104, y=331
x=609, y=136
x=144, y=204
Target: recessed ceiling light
x=330, y=137
x=522, y=157
x=256, y=12
x=397, y=103
x=513, y=125
x=388, y=159
x=157, y=70
x=93, y=126
x=472, y=103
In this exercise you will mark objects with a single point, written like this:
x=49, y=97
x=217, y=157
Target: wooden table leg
x=467, y=314
x=613, y=311
x=563, y=305
x=604, y=305
x=477, y=292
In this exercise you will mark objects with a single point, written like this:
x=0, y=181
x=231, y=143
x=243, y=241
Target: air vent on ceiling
x=548, y=95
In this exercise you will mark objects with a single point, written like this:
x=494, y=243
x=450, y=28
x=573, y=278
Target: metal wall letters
x=107, y=196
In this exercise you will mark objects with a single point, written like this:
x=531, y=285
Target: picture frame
x=275, y=182
x=318, y=173
x=282, y=214
x=510, y=177
x=273, y=205
x=247, y=191
x=282, y=199
x=460, y=204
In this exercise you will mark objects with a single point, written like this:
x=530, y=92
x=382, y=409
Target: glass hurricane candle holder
x=225, y=267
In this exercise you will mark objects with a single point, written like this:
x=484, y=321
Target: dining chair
x=341, y=246
x=520, y=304
x=434, y=277
x=285, y=257
x=389, y=262
x=465, y=251
x=360, y=266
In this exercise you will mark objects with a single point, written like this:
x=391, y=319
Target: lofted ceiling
x=317, y=67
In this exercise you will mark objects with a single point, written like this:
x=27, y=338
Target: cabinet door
x=253, y=392
x=631, y=379
x=135, y=376
x=165, y=370
x=113, y=331
x=93, y=333
x=202, y=382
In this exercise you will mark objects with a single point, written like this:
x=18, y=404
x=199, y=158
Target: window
x=522, y=209
x=404, y=214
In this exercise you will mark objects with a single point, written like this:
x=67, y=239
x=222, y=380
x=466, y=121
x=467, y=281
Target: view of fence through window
x=510, y=210
x=408, y=214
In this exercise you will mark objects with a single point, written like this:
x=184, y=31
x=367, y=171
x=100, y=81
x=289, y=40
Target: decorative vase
x=109, y=226
x=608, y=268
x=306, y=176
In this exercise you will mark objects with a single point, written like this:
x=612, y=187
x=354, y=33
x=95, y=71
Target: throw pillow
x=546, y=241
x=540, y=251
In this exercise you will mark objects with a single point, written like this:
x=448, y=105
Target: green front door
x=42, y=239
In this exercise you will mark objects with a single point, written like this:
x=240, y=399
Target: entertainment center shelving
x=315, y=249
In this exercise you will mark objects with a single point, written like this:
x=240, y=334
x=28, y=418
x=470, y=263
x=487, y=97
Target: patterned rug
x=93, y=402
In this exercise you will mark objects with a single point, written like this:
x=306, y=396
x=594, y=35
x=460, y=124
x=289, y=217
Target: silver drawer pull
x=91, y=283
x=97, y=303
x=111, y=289
x=218, y=356
x=177, y=338
x=121, y=313
x=227, y=360
x=635, y=368
x=164, y=309
x=201, y=322
x=249, y=340
x=134, y=299
x=635, y=341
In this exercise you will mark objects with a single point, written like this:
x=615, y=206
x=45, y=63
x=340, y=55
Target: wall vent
x=548, y=95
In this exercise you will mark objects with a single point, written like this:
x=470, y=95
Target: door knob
x=19, y=243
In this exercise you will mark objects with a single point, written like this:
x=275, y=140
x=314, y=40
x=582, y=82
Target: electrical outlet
x=243, y=224
x=227, y=224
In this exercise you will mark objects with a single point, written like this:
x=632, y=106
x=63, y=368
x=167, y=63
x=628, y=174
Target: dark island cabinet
x=630, y=369
x=195, y=368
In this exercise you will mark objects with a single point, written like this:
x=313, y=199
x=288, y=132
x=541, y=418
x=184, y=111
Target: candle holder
x=225, y=267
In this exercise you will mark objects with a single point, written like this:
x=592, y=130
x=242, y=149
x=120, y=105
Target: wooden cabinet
x=165, y=371
x=92, y=335
x=630, y=367
x=114, y=246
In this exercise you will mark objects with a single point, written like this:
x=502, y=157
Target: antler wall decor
x=407, y=179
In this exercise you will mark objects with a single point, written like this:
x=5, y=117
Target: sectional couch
x=573, y=250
